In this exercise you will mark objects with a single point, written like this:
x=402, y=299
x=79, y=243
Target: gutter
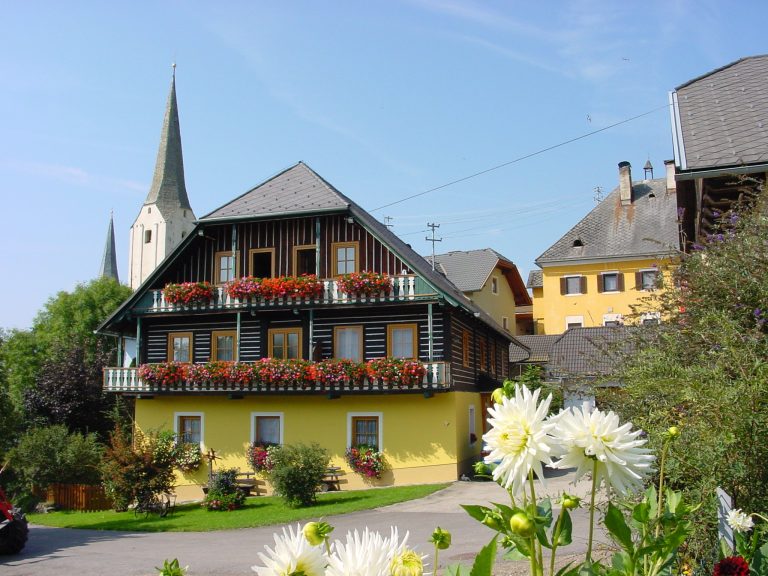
x=715, y=172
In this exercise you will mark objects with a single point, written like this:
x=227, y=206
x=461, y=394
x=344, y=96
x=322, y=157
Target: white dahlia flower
x=739, y=521
x=292, y=554
x=519, y=438
x=589, y=437
x=366, y=554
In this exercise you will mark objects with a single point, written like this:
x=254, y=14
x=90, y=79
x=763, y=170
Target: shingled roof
x=720, y=119
x=645, y=228
x=588, y=352
x=469, y=270
x=540, y=346
x=535, y=279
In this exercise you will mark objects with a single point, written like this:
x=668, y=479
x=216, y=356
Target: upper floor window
x=573, y=285
x=189, y=427
x=647, y=279
x=223, y=344
x=495, y=285
x=262, y=262
x=402, y=340
x=348, y=343
x=285, y=343
x=483, y=354
x=226, y=267
x=180, y=347
x=610, y=282
x=305, y=259
x=344, y=257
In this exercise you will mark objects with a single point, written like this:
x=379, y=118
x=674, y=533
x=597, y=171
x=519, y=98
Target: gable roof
x=540, y=346
x=588, y=351
x=720, y=119
x=535, y=279
x=469, y=270
x=647, y=228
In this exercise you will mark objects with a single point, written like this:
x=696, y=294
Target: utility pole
x=433, y=226
x=387, y=220
x=598, y=197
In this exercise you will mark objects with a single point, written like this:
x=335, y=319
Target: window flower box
x=188, y=293
x=365, y=460
x=396, y=371
x=334, y=372
x=307, y=286
x=365, y=284
x=164, y=374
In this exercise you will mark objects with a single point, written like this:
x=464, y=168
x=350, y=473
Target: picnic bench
x=247, y=483
x=331, y=481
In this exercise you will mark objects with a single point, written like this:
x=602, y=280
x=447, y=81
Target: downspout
x=312, y=334
x=234, y=250
x=317, y=254
x=237, y=338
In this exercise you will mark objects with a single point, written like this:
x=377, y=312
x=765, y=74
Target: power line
x=536, y=153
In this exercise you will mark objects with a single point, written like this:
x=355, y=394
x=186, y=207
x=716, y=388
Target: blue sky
x=383, y=99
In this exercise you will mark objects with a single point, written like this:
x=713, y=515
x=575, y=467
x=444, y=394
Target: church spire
x=109, y=261
x=168, y=189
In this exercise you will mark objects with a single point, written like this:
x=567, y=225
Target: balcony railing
x=404, y=288
x=127, y=380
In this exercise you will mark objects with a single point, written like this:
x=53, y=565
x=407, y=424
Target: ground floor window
x=188, y=427
x=364, y=428
x=267, y=428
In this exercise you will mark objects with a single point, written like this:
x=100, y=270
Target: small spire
x=109, y=260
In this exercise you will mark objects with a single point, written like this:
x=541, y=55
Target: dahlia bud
x=407, y=563
x=441, y=538
x=497, y=395
x=492, y=521
x=522, y=525
x=569, y=502
x=317, y=532
x=673, y=432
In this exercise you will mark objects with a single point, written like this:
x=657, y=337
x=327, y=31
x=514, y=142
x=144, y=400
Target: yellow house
x=492, y=282
x=612, y=259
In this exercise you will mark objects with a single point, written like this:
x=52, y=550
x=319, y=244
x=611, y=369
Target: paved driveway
x=59, y=551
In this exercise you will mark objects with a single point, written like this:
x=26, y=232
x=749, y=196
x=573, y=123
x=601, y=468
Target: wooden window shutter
x=562, y=286
x=620, y=277
x=638, y=280
x=583, y=284
x=600, y=283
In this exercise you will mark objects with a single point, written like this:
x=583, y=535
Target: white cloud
x=72, y=175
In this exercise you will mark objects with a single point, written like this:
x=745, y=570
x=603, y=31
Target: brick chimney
x=625, y=183
x=669, y=165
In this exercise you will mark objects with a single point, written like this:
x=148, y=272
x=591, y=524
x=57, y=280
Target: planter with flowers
x=300, y=287
x=396, y=371
x=365, y=460
x=163, y=374
x=244, y=288
x=365, y=284
x=335, y=372
x=188, y=456
x=260, y=458
x=188, y=293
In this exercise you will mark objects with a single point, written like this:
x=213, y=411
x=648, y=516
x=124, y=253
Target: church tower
x=109, y=260
x=166, y=216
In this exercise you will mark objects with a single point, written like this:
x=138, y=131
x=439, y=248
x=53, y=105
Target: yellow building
x=611, y=260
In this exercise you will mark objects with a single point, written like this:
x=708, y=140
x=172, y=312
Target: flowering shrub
x=337, y=372
x=396, y=371
x=260, y=457
x=188, y=292
x=163, y=374
x=365, y=460
x=365, y=284
x=223, y=493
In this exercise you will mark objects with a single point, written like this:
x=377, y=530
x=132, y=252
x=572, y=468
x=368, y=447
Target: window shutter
x=562, y=286
x=638, y=281
x=600, y=283
x=621, y=281
x=583, y=284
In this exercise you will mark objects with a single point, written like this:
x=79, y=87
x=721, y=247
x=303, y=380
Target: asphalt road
x=60, y=551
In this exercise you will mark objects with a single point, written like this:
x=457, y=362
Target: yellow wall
x=550, y=308
x=497, y=305
x=424, y=439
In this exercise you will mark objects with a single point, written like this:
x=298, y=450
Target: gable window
x=571, y=285
x=188, y=427
x=180, y=347
x=646, y=279
x=574, y=322
x=402, y=340
x=304, y=259
x=365, y=428
x=285, y=343
x=267, y=428
x=147, y=236
x=505, y=323
x=223, y=343
x=348, y=343
x=344, y=257
x=610, y=282
x=495, y=285
x=226, y=266
x=262, y=262
x=465, y=348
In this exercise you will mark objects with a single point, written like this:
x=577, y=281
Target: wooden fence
x=83, y=497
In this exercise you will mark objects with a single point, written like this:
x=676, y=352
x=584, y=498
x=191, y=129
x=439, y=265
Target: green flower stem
x=664, y=450
x=437, y=553
x=537, y=549
x=592, y=511
x=555, y=538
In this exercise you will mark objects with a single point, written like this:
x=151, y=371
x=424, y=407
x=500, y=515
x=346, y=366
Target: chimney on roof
x=625, y=183
x=669, y=166
x=648, y=168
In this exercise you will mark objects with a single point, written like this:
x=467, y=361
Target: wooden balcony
x=126, y=380
x=404, y=288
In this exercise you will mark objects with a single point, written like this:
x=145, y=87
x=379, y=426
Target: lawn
x=258, y=511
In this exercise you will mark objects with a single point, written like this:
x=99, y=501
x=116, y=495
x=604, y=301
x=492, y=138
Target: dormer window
x=578, y=243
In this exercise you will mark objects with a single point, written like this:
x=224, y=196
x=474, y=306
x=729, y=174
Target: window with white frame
x=188, y=427
x=267, y=428
x=365, y=428
x=648, y=318
x=574, y=322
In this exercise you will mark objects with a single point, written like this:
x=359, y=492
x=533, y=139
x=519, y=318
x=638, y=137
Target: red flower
x=731, y=566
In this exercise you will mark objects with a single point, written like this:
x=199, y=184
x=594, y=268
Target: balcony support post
x=237, y=338
x=120, y=351
x=139, y=359
x=430, y=333
x=317, y=247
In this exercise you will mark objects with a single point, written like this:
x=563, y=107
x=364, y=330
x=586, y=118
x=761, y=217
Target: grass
x=258, y=511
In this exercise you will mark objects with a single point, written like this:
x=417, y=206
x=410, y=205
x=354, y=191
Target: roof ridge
x=716, y=70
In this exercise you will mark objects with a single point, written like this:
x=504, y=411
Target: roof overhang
x=275, y=215
x=716, y=172
x=648, y=256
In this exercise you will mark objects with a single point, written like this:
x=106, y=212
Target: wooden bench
x=248, y=484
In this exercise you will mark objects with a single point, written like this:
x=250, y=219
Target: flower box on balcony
x=396, y=371
x=188, y=293
x=306, y=286
x=365, y=284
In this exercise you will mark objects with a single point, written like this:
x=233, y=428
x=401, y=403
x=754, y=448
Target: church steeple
x=109, y=260
x=168, y=189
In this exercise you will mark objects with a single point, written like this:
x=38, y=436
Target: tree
x=19, y=363
x=705, y=370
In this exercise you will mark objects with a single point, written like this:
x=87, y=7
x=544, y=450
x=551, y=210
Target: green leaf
x=453, y=570
x=673, y=500
x=641, y=513
x=621, y=563
x=567, y=570
x=617, y=526
x=566, y=529
x=483, y=565
x=759, y=564
x=477, y=512
x=544, y=512
x=724, y=549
